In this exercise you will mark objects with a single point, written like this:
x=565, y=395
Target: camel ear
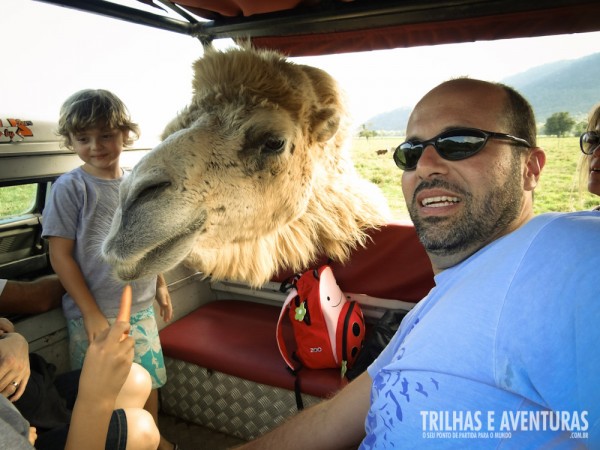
x=324, y=124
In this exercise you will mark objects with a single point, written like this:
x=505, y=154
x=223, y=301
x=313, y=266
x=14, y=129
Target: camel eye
x=151, y=192
x=273, y=145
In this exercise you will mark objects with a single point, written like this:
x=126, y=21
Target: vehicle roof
x=318, y=27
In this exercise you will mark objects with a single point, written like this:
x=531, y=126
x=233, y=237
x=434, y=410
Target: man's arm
x=31, y=297
x=337, y=423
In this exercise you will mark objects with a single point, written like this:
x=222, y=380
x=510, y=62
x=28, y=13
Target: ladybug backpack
x=328, y=329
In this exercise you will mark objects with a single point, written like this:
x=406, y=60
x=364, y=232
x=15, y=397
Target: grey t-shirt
x=14, y=429
x=81, y=208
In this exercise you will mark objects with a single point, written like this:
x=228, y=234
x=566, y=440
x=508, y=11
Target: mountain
x=571, y=85
x=390, y=120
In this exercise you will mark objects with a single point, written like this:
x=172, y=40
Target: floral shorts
x=148, y=352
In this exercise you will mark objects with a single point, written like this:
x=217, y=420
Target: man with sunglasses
x=502, y=351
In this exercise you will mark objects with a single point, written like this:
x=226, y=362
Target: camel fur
x=252, y=177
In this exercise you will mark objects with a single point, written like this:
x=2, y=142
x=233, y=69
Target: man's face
x=460, y=206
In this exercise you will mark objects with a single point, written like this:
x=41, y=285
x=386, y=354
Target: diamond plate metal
x=226, y=403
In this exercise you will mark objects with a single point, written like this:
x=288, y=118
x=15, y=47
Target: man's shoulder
x=580, y=220
x=559, y=233
x=565, y=233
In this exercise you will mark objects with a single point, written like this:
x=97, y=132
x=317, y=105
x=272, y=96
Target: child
x=96, y=125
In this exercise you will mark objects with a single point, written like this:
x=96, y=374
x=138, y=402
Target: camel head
x=251, y=177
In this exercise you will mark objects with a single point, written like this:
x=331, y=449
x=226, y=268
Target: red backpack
x=329, y=330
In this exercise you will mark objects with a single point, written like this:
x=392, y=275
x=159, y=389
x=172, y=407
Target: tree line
x=558, y=124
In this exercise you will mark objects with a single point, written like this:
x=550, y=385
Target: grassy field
x=15, y=200
x=558, y=189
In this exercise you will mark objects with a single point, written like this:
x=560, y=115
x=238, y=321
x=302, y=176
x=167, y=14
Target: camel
x=252, y=177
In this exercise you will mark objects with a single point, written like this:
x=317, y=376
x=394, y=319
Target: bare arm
x=338, y=423
x=67, y=269
x=106, y=367
x=164, y=298
x=31, y=297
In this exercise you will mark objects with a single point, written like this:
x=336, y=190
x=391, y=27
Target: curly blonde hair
x=91, y=108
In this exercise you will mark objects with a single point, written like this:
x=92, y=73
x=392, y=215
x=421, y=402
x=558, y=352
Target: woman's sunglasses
x=589, y=142
x=452, y=145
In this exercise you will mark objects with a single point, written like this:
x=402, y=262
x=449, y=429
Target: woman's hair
x=584, y=163
x=594, y=118
x=92, y=108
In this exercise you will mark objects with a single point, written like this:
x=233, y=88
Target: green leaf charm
x=300, y=312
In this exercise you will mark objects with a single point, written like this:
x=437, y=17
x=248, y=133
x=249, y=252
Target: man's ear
x=534, y=163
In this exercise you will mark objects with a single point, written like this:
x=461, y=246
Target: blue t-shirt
x=503, y=352
x=81, y=208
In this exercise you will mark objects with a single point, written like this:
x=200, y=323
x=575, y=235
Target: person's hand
x=164, y=301
x=32, y=435
x=106, y=365
x=14, y=365
x=6, y=326
x=94, y=323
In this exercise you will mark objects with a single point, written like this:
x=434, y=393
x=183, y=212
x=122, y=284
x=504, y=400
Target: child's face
x=99, y=149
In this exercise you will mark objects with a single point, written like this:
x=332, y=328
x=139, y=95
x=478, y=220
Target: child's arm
x=67, y=269
x=164, y=298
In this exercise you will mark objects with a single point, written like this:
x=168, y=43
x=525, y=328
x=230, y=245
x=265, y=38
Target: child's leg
x=152, y=408
x=148, y=353
x=78, y=342
x=152, y=404
x=135, y=390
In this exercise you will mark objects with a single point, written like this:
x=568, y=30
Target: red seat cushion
x=238, y=338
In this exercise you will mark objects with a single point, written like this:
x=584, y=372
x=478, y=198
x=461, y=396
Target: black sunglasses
x=589, y=142
x=452, y=145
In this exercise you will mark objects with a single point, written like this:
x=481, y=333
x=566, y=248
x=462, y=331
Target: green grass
x=558, y=189
x=16, y=200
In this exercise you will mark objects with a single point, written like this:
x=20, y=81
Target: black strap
x=289, y=283
x=297, y=387
x=298, y=394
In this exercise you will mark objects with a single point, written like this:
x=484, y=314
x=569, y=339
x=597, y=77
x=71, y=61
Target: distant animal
x=252, y=177
x=382, y=152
